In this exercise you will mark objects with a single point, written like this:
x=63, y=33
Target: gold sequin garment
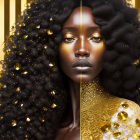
x=107, y=117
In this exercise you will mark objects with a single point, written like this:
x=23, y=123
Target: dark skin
x=81, y=41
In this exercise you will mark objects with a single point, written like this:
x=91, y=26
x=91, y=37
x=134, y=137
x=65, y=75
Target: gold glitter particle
x=18, y=33
x=1, y=85
x=18, y=89
x=45, y=108
x=125, y=105
x=51, y=19
x=117, y=134
x=7, y=52
x=45, y=46
x=12, y=74
x=42, y=119
x=138, y=122
x=0, y=74
x=136, y=136
x=4, y=86
x=122, y=116
x=14, y=46
x=106, y=128
x=16, y=102
x=17, y=66
x=14, y=123
x=25, y=72
x=20, y=53
x=116, y=125
x=38, y=26
x=137, y=62
x=28, y=119
x=53, y=105
x=51, y=65
x=49, y=32
x=21, y=105
x=54, y=69
x=1, y=117
x=52, y=93
x=25, y=36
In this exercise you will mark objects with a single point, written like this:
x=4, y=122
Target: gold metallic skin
x=104, y=116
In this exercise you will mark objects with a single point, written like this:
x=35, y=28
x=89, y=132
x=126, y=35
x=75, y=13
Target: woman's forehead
x=81, y=16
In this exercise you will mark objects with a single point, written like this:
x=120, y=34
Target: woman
x=40, y=84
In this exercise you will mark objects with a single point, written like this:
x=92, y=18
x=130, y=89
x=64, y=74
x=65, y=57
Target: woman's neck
x=74, y=90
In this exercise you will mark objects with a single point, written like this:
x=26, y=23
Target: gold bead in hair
x=49, y=32
x=17, y=66
x=18, y=89
x=136, y=62
x=53, y=105
x=13, y=123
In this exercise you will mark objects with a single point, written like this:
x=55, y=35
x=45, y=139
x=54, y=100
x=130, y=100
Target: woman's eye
x=96, y=39
x=69, y=40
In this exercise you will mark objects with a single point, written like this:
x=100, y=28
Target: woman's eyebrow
x=71, y=28
x=93, y=28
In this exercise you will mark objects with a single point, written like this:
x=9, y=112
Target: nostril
x=82, y=52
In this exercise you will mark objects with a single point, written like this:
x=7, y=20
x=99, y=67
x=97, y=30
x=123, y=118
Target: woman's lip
x=82, y=68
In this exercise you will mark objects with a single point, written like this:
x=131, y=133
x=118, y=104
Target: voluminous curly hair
x=34, y=94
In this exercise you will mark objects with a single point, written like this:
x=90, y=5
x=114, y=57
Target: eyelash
x=66, y=39
x=96, y=39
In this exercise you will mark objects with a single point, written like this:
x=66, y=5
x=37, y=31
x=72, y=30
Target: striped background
x=9, y=11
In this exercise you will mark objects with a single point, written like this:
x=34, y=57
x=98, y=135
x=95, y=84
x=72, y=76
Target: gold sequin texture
x=106, y=128
x=116, y=125
x=138, y=122
x=17, y=66
x=125, y=105
x=136, y=136
x=122, y=115
x=117, y=134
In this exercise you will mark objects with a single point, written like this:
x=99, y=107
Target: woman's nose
x=82, y=48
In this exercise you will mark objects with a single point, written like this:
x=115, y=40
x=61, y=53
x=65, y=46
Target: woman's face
x=82, y=48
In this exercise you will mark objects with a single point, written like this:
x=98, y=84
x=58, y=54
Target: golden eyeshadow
x=68, y=35
x=96, y=35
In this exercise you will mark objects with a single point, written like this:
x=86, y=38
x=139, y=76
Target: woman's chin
x=82, y=78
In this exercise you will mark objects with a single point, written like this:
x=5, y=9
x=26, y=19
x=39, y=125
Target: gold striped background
x=11, y=9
